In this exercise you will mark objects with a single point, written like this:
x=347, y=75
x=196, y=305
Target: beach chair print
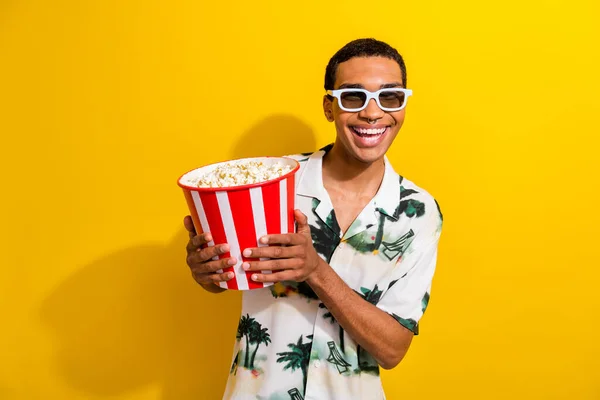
x=336, y=358
x=399, y=246
x=295, y=394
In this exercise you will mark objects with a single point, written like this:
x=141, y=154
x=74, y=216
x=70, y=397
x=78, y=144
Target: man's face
x=365, y=135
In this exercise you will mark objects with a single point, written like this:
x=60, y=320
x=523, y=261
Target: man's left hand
x=296, y=260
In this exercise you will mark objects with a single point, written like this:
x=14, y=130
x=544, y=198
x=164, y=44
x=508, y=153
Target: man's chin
x=369, y=155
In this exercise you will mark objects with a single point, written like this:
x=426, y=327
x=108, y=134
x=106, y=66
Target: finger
x=202, y=239
x=287, y=275
x=209, y=253
x=301, y=222
x=212, y=278
x=206, y=254
x=211, y=265
x=273, y=265
x=198, y=240
x=274, y=252
x=289, y=239
x=189, y=225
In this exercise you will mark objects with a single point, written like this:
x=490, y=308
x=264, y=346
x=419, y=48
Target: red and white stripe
x=240, y=218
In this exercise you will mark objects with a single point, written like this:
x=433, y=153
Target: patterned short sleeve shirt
x=288, y=345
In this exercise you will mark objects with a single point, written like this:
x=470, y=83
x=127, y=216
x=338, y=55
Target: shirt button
x=316, y=363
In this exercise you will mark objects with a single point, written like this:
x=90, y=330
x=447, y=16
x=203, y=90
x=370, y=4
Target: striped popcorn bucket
x=240, y=215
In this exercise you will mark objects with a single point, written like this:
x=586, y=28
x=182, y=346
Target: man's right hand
x=204, y=268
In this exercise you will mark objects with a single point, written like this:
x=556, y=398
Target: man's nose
x=372, y=111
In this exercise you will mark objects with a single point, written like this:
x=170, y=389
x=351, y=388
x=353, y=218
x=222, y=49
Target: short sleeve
x=408, y=291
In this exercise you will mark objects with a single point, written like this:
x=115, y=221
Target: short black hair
x=362, y=48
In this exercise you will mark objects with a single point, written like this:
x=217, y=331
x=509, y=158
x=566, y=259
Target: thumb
x=189, y=225
x=301, y=222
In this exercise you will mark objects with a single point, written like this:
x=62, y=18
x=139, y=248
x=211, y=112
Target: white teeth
x=370, y=131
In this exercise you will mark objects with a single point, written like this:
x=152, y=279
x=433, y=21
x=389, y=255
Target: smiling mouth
x=362, y=132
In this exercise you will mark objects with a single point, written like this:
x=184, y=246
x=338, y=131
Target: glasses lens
x=391, y=99
x=353, y=99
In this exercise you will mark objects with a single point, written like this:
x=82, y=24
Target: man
x=353, y=282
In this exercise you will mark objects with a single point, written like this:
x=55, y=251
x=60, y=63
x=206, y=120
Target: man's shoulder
x=413, y=195
x=410, y=188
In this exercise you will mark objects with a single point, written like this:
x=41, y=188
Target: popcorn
x=241, y=173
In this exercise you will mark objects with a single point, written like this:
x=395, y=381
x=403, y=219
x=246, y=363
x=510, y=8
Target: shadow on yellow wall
x=281, y=134
x=136, y=317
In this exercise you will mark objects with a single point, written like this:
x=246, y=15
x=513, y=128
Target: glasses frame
x=370, y=95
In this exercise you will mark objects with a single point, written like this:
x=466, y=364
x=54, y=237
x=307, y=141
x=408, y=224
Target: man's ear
x=328, y=107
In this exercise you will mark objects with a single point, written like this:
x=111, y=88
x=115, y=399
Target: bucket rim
x=241, y=187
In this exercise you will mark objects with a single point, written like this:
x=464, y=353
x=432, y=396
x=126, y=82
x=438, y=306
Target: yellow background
x=105, y=103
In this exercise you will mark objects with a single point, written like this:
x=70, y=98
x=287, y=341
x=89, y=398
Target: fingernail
x=230, y=275
x=254, y=277
x=207, y=237
x=264, y=240
x=247, y=253
x=232, y=261
x=246, y=266
x=224, y=248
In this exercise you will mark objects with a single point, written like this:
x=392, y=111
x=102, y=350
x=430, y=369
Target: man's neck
x=347, y=173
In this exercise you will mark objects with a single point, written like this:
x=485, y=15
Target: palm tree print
x=372, y=296
x=244, y=327
x=366, y=362
x=298, y=357
x=326, y=234
x=411, y=208
x=258, y=335
x=406, y=192
x=329, y=315
x=254, y=333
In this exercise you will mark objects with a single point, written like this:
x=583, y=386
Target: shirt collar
x=386, y=199
x=311, y=181
x=311, y=185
